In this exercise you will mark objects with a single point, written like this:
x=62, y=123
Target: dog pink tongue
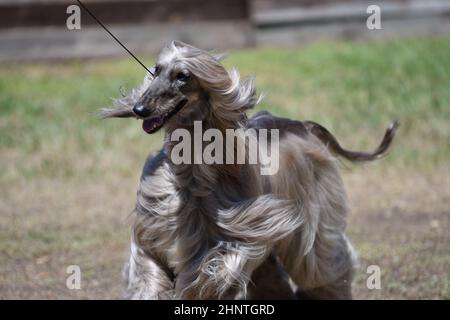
x=151, y=125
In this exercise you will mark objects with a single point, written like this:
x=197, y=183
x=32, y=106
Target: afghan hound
x=225, y=231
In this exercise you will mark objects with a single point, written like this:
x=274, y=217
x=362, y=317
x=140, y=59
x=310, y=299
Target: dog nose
x=141, y=111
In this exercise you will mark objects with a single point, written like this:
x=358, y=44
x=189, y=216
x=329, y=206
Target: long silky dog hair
x=224, y=231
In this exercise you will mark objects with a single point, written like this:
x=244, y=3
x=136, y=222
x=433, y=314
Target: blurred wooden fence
x=36, y=29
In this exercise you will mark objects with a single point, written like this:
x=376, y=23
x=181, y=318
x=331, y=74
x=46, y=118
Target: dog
x=224, y=231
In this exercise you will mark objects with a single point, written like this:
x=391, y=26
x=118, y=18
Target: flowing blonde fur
x=224, y=231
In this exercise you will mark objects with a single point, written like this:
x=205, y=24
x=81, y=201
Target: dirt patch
x=85, y=223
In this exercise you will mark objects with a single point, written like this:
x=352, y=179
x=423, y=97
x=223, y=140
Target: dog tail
x=328, y=139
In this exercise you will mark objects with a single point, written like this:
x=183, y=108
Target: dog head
x=187, y=83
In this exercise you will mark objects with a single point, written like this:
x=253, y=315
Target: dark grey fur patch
x=152, y=163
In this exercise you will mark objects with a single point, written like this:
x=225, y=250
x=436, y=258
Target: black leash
x=113, y=36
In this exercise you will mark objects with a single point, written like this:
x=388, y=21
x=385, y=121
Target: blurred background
x=68, y=180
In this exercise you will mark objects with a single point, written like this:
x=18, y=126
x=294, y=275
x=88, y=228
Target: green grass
x=68, y=179
x=353, y=89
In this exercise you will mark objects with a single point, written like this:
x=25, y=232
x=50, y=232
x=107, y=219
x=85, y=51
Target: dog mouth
x=151, y=125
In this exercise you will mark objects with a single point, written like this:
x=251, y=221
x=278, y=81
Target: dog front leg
x=146, y=277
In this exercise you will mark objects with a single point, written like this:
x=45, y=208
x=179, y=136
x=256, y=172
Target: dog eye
x=182, y=76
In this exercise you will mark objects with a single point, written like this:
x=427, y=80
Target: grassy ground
x=68, y=180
